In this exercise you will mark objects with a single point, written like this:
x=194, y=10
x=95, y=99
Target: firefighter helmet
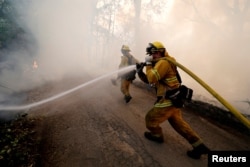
x=155, y=47
x=125, y=48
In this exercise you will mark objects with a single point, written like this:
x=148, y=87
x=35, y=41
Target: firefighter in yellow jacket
x=162, y=75
x=127, y=59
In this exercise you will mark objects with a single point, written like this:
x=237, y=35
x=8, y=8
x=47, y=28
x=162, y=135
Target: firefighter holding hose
x=127, y=59
x=163, y=75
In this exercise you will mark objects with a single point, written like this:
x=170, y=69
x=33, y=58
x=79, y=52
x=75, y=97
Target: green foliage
x=18, y=145
x=8, y=27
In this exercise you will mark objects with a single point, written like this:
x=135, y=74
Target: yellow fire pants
x=158, y=115
x=125, y=87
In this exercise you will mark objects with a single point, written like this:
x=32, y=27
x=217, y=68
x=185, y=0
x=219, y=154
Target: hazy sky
x=212, y=41
x=208, y=37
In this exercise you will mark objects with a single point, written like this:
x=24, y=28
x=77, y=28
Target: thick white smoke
x=211, y=39
x=204, y=36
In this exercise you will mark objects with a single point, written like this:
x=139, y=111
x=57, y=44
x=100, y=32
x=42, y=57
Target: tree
x=235, y=16
x=119, y=22
x=8, y=27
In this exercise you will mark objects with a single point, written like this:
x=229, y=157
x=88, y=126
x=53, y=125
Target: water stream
x=28, y=106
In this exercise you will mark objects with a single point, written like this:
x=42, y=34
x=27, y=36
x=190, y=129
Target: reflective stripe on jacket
x=163, y=103
x=162, y=72
x=163, y=76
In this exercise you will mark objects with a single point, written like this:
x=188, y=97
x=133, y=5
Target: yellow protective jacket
x=162, y=75
x=127, y=60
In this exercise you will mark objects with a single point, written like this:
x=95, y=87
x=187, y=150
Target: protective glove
x=139, y=67
x=148, y=60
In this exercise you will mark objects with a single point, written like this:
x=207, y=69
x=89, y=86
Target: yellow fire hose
x=237, y=114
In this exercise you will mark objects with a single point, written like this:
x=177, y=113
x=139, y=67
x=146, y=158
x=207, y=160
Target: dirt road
x=93, y=127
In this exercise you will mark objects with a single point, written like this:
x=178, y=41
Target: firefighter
x=162, y=75
x=126, y=78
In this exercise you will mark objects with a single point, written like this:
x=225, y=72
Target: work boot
x=127, y=98
x=151, y=137
x=198, y=151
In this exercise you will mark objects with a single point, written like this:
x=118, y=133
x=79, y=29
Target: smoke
x=62, y=31
x=57, y=34
x=206, y=37
x=62, y=45
x=211, y=39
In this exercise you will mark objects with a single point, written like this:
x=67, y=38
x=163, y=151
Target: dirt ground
x=94, y=127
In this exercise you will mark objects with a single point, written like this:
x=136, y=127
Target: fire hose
x=233, y=110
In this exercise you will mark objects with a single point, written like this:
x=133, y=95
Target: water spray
x=233, y=110
x=28, y=106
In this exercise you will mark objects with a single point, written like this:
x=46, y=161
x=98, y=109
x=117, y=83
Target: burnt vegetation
x=19, y=143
